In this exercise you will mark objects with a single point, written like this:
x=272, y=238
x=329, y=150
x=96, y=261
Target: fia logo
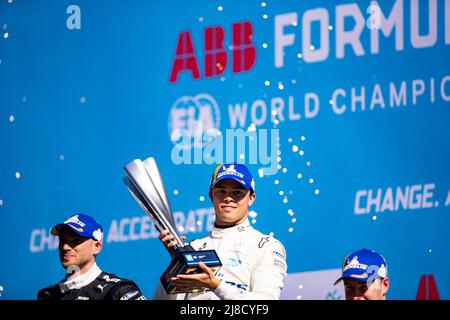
x=195, y=116
x=189, y=257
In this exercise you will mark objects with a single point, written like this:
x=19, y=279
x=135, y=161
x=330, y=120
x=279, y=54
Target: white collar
x=221, y=232
x=77, y=281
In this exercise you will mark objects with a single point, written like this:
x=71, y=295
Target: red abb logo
x=215, y=56
x=427, y=288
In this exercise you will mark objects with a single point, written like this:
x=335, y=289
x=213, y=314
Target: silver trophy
x=145, y=184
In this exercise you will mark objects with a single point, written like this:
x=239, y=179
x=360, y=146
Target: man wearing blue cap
x=365, y=276
x=253, y=264
x=80, y=241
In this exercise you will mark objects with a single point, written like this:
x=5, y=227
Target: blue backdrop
x=361, y=110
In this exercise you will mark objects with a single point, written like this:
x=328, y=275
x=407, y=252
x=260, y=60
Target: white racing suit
x=253, y=265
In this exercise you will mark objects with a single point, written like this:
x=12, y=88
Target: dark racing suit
x=101, y=286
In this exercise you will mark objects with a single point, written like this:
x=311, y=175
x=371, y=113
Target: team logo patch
x=382, y=271
x=98, y=234
x=233, y=262
x=278, y=254
x=108, y=279
x=75, y=220
x=129, y=295
x=355, y=264
x=241, y=228
x=279, y=264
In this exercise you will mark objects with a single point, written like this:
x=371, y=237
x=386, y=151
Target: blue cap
x=363, y=265
x=83, y=225
x=234, y=171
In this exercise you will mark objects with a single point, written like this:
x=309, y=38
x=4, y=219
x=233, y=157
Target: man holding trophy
x=239, y=261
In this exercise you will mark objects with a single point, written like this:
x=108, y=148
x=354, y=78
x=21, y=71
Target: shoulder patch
x=129, y=295
x=279, y=254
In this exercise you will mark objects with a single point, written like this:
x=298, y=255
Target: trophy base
x=186, y=262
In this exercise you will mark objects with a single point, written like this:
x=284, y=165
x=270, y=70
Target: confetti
x=252, y=214
x=261, y=173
